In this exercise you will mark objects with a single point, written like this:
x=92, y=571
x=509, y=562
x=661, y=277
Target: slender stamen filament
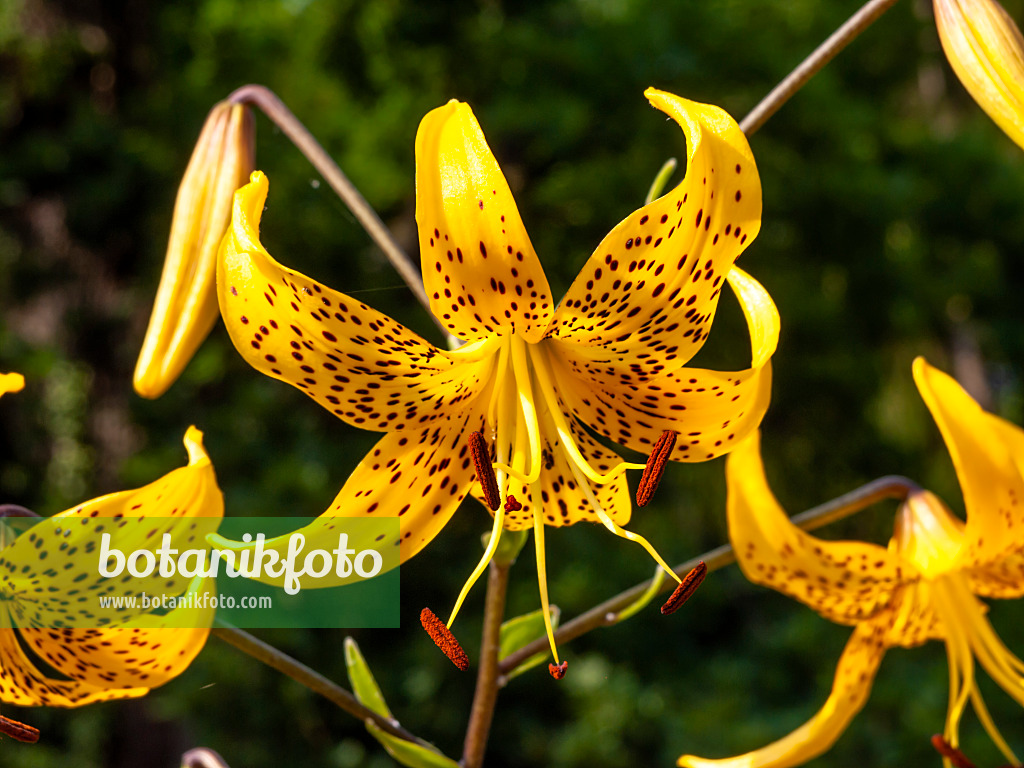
x=542, y=577
x=521, y=369
x=956, y=758
x=958, y=650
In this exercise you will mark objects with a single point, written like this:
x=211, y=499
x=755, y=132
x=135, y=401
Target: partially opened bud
x=986, y=50
x=186, y=302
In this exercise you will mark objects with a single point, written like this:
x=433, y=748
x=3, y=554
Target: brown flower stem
x=607, y=613
x=268, y=102
x=486, y=694
x=307, y=677
x=810, y=66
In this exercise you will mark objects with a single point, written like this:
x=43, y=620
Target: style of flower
x=924, y=586
x=531, y=376
x=50, y=590
x=185, y=308
x=986, y=50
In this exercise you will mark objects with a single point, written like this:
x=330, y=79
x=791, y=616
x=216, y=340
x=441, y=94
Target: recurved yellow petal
x=646, y=298
x=845, y=581
x=986, y=50
x=358, y=363
x=983, y=449
x=186, y=302
x=479, y=267
x=11, y=382
x=850, y=690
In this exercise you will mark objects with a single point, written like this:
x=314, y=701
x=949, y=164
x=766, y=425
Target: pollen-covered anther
x=951, y=753
x=558, y=670
x=18, y=731
x=512, y=504
x=484, y=471
x=655, y=467
x=444, y=639
x=686, y=588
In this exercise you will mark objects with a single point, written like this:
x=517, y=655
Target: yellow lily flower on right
x=924, y=586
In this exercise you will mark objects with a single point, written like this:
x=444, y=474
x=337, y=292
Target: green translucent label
x=98, y=572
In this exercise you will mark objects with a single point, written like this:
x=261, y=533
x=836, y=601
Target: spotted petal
x=359, y=364
x=988, y=455
x=645, y=300
x=421, y=476
x=850, y=690
x=844, y=581
x=479, y=268
x=710, y=410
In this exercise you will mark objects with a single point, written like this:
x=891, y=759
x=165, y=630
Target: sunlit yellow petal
x=1002, y=578
x=646, y=298
x=11, y=382
x=989, y=475
x=186, y=301
x=710, y=410
x=850, y=690
x=845, y=581
x=359, y=364
x=421, y=476
x=986, y=50
x=147, y=652
x=479, y=268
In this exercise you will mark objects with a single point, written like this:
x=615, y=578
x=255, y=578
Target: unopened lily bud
x=186, y=302
x=986, y=50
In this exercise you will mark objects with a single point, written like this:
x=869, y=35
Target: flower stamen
x=480, y=454
x=686, y=588
x=542, y=582
x=444, y=639
x=18, y=731
x=655, y=467
x=951, y=753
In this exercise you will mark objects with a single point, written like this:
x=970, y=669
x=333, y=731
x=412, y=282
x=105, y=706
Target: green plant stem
x=810, y=66
x=486, y=695
x=606, y=614
x=314, y=681
x=267, y=101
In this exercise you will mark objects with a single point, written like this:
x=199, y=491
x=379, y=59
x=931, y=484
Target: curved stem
x=307, y=677
x=268, y=102
x=607, y=613
x=810, y=66
x=486, y=694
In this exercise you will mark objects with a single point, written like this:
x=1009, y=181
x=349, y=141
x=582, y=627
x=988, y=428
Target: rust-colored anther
x=951, y=753
x=444, y=639
x=655, y=467
x=512, y=504
x=558, y=670
x=19, y=731
x=686, y=588
x=484, y=471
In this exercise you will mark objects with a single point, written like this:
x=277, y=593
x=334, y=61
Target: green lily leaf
x=517, y=632
x=363, y=683
x=409, y=753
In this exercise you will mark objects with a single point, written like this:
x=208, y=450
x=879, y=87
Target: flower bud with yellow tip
x=986, y=50
x=186, y=302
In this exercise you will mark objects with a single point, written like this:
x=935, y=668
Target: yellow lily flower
x=116, y=662
x=924, y=586
x=11, y=382
x=986, y=50
x=186, y=301
x=531, y=376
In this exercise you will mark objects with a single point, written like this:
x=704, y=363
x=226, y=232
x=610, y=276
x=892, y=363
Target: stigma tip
x=512, y=504
x=558, y=670
x=444, y=639
x=686, y=588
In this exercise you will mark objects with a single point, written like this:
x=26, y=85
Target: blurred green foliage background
x=893, y=224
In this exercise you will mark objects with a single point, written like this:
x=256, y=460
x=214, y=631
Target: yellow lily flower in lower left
x=924, y=586
x=48, y=579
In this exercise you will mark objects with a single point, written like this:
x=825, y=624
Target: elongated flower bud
x=186, y=302
x=986, y=50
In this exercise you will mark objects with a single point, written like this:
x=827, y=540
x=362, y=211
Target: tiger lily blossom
x=530, y=376
x=141, y=651
x=924, y=586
